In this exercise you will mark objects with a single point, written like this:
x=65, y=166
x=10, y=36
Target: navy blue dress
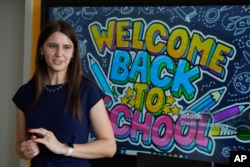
x=50, y=114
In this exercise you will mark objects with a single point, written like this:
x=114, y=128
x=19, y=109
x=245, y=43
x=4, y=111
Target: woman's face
x=57, y=50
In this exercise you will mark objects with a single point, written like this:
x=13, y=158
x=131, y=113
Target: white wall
x=12, y=19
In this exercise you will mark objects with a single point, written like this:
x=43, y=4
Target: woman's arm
x=25, y=148
x=104, y=145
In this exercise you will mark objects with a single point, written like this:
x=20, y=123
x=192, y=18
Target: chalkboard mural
x=176, y=78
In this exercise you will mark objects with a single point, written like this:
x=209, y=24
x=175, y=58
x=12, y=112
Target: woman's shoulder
x=28, y=86
x=23, y=93
x=87, y=82
x=90, y=86
x=90, y=92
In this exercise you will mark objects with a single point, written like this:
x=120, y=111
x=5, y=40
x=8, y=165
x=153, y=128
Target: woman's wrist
x=70, y=149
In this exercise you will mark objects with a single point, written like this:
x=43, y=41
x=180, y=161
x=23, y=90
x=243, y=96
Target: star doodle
x=131, y=102
x=170, y=100
x=130, y=92
x=166, y=109
x=175, y=110
x=124, y=100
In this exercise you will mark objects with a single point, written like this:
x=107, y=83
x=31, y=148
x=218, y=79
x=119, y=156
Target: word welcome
x=157, y=38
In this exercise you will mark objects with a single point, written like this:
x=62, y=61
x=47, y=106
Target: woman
x=58, y=106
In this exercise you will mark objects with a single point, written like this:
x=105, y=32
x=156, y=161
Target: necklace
x=53, y=90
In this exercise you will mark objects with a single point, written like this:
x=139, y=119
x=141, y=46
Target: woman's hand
x=48, y=139
x=30, y=148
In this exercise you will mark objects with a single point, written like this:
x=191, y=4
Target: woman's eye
x=52, y=46
x=67, y=47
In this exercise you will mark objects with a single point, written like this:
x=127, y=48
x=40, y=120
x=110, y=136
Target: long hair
x=74, y=72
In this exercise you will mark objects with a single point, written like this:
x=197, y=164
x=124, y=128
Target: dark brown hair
x=74, y=73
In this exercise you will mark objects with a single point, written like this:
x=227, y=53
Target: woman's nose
x=59, y=51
